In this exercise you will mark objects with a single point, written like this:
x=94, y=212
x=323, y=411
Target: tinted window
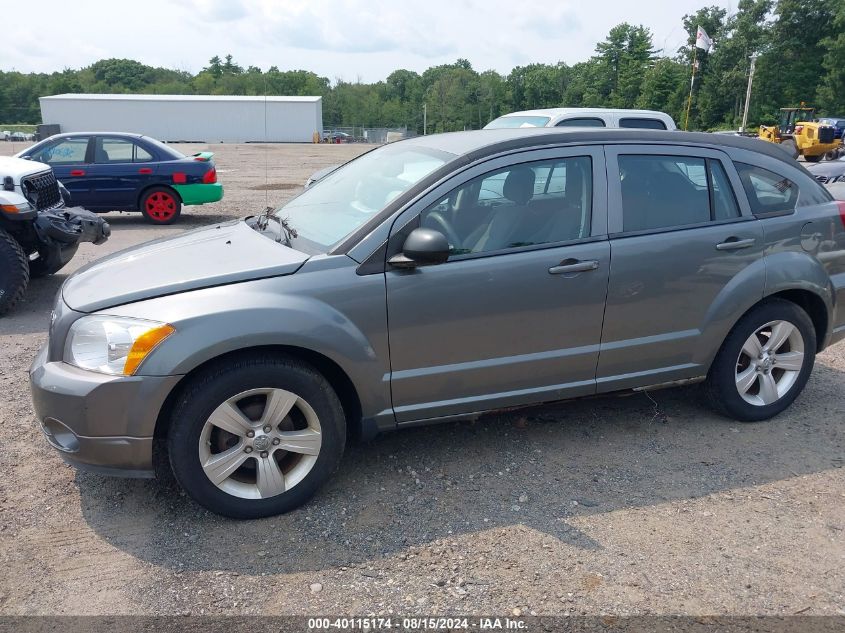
x=644, y=124
x=582, y=122
x=69, y=150
x=767, y=191
x=668, y=191
x=523, y=205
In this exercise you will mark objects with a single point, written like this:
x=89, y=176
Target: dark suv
x=438, y=278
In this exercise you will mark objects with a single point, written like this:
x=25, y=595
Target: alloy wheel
x=260, y=443
x=769, y=363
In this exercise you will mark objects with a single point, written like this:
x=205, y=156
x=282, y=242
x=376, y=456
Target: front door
x=70, y=159
x=515, y=315
x=680, y=246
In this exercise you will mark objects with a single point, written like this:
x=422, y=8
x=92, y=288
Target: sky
x=340, y=39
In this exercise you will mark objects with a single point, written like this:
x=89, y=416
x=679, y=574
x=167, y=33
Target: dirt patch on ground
x=607, y=505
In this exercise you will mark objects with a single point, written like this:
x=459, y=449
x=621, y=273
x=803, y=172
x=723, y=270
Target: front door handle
x=573, y=266
x=734, y=243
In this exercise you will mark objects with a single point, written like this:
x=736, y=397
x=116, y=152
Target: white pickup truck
x=38, y=234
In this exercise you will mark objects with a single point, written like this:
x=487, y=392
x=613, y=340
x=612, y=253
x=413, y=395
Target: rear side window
x=768, y=192
x=642, y=124
x=581, y=122
x=660, y=192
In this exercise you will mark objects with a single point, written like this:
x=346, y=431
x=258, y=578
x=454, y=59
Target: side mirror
x=423, y=247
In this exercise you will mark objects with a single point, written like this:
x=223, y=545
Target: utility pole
x=753, y=59
x=425, y=119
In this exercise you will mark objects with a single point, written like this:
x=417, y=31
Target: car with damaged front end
x=39, y=235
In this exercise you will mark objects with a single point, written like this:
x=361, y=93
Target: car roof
x=553, y=112
x=127, y=134
x=478, y=143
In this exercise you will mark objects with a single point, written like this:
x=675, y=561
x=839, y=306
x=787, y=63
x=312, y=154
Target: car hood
x=827, y=168
x=213, y=256
x=17, y=168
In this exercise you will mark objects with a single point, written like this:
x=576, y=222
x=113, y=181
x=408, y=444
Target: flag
x=702, y=40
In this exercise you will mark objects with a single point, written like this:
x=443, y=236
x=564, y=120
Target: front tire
x=813, y=159
x=764, y=363
x=256, y=437
x=14, y=272
x=161, y=205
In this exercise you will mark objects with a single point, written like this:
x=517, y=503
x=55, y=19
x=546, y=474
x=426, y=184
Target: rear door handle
x=77, y=172
x=734, y=243
x=145, y=170
x=573, y=266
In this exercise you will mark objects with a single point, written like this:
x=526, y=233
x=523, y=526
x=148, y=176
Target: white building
x=204, y=118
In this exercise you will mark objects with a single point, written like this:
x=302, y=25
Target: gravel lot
x=626, y=505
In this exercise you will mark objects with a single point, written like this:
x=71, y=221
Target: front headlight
x=113, y=345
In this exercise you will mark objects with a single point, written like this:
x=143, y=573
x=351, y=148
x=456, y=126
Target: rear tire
x=14, y=272
x=813, y=159
x=161, y=205
x=223, y=468
x=754, y=378
x=789, y=146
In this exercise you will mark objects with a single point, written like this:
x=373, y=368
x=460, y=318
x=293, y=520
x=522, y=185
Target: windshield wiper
x=286, y=231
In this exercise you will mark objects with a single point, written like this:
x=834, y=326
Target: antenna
x=266, y=151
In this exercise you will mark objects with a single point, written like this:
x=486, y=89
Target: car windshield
x=341, y=202
x=517, y=121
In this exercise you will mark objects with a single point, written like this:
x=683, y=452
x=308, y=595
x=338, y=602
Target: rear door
x=70, y=158
x=120, y=169
x=685, y=250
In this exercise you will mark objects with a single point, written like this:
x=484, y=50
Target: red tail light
x=798, y=129
x=210, y=177
x=841, y=205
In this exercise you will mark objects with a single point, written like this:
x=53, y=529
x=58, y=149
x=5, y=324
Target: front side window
x=767, y=191
x=544, y=202
x=642, y=124
x=661, y=192
x=66, y=151
x=581, y=122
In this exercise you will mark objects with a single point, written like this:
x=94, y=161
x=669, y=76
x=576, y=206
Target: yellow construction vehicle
x=800, y=135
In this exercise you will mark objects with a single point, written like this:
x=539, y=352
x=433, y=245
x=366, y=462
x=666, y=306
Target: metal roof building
x=204, y=118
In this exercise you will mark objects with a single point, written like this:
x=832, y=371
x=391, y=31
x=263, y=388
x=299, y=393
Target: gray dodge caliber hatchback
x=437, y=278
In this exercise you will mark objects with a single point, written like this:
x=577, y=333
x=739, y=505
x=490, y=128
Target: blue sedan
x=111, y=171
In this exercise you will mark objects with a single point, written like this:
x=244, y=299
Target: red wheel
x=161, y=205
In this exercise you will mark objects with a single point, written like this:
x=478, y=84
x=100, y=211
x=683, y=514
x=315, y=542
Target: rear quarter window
x=768, y=193
x=642, y=123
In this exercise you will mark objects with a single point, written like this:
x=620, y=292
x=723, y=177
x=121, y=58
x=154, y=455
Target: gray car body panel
x=453, y=347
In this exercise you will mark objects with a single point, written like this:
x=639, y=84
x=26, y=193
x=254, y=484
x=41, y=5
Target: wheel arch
x=331, y=371
x=156, y=185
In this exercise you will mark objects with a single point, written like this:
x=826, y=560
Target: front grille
x=42, y=190
x=826, y=134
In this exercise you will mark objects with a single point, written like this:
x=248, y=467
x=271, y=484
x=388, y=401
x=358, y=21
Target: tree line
x=801, y=58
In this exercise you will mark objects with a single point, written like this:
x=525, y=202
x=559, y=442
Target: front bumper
x=96, y=421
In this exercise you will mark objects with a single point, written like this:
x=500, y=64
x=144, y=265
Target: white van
x=585, y=117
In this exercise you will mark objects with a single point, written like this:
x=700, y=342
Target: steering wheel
x=436, y=221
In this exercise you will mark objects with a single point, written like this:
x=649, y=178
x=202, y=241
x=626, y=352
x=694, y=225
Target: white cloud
x=335, y=38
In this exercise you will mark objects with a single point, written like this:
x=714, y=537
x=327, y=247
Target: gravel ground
x=624, y=505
